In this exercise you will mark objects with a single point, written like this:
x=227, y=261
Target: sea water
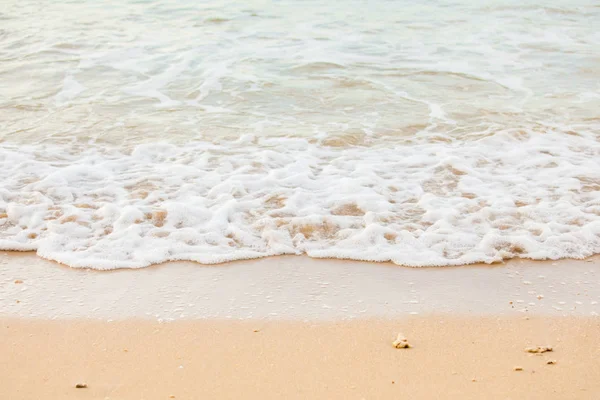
x=423, y=133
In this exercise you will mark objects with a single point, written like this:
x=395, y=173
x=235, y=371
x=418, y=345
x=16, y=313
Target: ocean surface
x=423, y=133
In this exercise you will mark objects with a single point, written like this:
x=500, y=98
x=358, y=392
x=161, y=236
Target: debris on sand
x=401, y=342
x=81, y=386
x=18, y=281
x=518, y=368
x=538, y=349
x=551, y=362
x=256, y=330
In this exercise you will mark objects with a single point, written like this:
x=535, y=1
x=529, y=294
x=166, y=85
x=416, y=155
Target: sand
x=296, y=328
x=450, y=358
x=297, y=288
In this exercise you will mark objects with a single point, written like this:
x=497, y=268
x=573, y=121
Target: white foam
x=390, y=132
x=425, y=204
x=70, y=90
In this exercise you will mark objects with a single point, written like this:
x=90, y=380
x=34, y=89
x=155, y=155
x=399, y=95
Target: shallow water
x=454, y=132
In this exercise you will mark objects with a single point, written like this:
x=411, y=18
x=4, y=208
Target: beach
x=467, y=335
x=299, y=199
x=452, y=358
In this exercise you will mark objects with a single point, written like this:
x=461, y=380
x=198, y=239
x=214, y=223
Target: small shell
x=401, y=342
x=538, y=349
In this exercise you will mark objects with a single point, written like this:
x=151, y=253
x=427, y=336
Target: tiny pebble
x=538, y=349
x=401, y=342
x=518, y=368
x=81, y=386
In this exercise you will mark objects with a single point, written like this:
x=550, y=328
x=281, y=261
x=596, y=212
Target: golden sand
x=450, y=358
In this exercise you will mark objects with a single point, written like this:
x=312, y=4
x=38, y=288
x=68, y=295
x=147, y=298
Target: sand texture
x=450, y=358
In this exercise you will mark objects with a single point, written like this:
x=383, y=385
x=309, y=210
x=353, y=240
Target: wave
x=516, y=193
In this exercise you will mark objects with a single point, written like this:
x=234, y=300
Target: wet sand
x=298, y=288
x=293, y=327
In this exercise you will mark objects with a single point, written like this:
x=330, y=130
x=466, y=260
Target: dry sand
x=297, y=328
x=451, y=358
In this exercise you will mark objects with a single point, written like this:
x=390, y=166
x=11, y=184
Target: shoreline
x=8, y=254
x=295, y=328
x=296, y=288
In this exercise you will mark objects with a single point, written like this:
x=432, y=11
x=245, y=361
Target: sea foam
x=422, y=133
x=513, y=194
